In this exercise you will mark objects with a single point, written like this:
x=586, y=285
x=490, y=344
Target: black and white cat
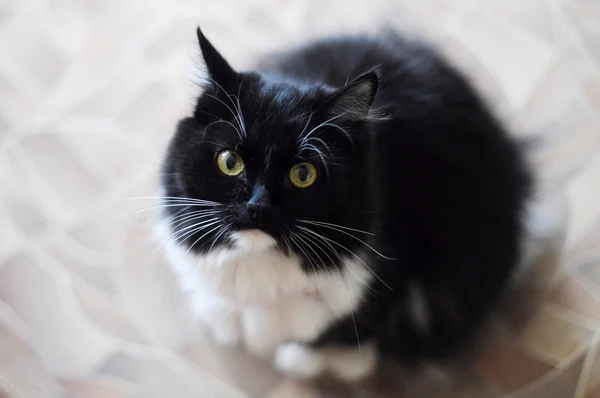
x=351, y=199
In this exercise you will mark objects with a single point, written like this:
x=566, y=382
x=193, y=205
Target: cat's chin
x=253, y=240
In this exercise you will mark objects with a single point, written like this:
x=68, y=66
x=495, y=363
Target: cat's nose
x=256, y=212
x=259, y=203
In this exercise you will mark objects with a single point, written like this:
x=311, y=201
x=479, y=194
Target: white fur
x=255, y=295
x=299, y=361
x=253, y=240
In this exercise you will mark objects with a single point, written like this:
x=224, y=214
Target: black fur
x=415, y=157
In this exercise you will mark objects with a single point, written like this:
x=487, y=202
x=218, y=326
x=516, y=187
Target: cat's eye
x=303, y=175
x=230, y=163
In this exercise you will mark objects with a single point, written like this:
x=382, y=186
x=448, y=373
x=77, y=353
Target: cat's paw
x=352, y=364
x=299, y=360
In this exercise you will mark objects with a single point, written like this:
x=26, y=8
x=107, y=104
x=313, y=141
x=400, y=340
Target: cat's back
x=337, y=60
x=415, y=80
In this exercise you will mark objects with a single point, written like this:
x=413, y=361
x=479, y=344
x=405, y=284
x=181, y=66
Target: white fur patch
x=253, y=240
x=347, y=364
x=299, y=361
x=255, y=295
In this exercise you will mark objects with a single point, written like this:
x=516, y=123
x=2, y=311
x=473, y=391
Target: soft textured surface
x=89, y=93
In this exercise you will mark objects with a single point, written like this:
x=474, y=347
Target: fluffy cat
x=350, y=199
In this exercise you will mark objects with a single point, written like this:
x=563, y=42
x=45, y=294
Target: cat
x=350, y=200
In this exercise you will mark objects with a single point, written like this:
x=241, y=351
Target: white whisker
x=223, y=230
x=170, y=205
x=191, y=217
x=321, y=155
x=323, y=223
x=303, y=138
x=200, y=224
x=198, y=240
x=168, y=198
x=322, y=143
x=303, y=252
x=226, y=122
x=316, y=243
x=351, y=252
x=238, y=117
x=358, y=239
x=323, y=240
x=240, y=113
x=347, y=134
x=311, y=249
x=305, y=127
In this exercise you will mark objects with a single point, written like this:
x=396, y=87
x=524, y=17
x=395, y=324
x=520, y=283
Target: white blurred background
x=90, y=91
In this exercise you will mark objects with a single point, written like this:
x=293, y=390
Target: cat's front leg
x=349, y=364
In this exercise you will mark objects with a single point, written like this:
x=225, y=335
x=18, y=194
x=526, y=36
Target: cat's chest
x=261, y=299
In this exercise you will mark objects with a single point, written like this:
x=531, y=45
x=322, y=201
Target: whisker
x=240, y=113
x=191, y=217
x=322, y=143
x=287, y=242
x=303, y=138
x=223, y=230
x=176, y=237
x=155, y=207
x=354, y=254
x=358, y=239
x=177, y=224
x=316, y=243
x=226, y=122
x=238, y=120
x=338, y=255
x=371, y=290
x=322, y=223
x=311, y=249
x=340, y=129
x=177, y=198
x=198, y=240
x=192, y=229
x=158, y=203
x=321, y=156
x=305, y=127
x=302, y=250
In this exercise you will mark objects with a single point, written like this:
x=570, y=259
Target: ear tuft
x=355, y=100
x=217, y=67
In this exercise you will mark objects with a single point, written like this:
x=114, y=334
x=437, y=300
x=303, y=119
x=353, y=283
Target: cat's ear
x=217, y=67
x=355, y=100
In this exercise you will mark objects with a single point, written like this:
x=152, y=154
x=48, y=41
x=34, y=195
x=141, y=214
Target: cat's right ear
x=217, y=67
x=355, y=100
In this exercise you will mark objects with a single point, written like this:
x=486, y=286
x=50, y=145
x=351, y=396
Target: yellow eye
x=230, y=163
x=303, y=175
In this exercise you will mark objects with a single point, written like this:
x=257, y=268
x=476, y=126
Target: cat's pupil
x=303, y=173
x=231, y=161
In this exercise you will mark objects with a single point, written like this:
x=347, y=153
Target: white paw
x=352, y=365
x=298, y=360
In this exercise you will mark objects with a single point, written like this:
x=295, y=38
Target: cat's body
x=402, y=245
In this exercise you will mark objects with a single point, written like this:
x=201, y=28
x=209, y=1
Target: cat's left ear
x=218, y=68
x=355, y=100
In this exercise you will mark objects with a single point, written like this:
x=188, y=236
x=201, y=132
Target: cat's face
x=268, y=163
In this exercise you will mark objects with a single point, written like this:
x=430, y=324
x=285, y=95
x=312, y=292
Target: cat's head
x=268, y=162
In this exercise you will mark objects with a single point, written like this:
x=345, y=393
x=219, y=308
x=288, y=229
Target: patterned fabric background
x=90, y=91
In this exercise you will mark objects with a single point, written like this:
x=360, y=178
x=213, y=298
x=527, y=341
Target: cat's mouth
x=253, y=240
